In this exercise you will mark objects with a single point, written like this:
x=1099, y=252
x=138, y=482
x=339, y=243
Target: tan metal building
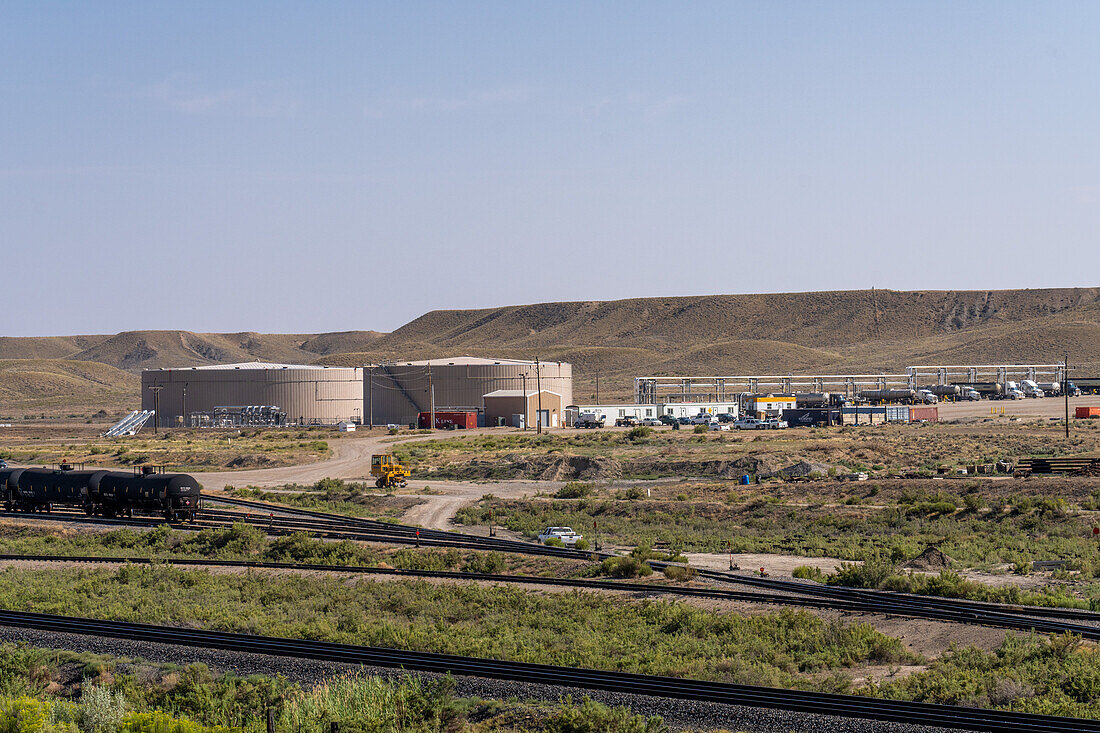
x=309, y=395
x=515, y=408
x=397, y=392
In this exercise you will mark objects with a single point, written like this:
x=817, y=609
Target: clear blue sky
x=302, y=167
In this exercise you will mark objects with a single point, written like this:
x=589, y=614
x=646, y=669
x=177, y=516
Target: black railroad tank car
x=175, y=495
x=107, y=493
x=40, y=489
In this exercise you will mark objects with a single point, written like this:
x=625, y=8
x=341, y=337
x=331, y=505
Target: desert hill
x=837, y=331
x=136, y=350
x=60, y=386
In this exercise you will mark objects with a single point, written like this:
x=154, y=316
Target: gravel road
x=677, y=713
x=351, y=460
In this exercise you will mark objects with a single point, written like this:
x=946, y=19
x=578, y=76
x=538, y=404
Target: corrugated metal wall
x=314, y=395
x=398, y=393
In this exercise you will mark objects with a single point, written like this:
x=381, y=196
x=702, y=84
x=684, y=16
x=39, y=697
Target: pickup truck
x=625, y=422
x=566, y=534
x=589, y=420
x=703, y=419
x=751, y=423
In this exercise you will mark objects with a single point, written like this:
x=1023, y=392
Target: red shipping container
x=1083, y=413
x=466, y=419
x=924, y=414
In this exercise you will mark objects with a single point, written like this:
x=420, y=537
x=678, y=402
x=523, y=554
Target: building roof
x=249, y=365
x=470, y=361
x=516, y=393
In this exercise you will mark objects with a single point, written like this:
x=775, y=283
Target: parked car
x=726, y=417
x=625, y=422
x=3, y=463
x=566, y=534
x=703, y=418
x=667, y=420
x=774, y=423
x=684, y=421
x=719, y=426
x=651, y=422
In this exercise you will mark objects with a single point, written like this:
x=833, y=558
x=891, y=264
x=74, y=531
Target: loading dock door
x=544, y=417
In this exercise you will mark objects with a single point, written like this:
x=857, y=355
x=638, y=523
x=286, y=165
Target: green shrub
x=625, y=567
x=638, y=433
x=101, y=711
x=592, y=717
x=581, y=544
x=809, y=572
x=554, y=542
x=574, y=490
x=700, y=429
x=679, y=573
x=487, y=562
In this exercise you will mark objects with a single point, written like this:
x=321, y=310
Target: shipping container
x=924, y=414
x=450, y=420
x=863, y=415
x=811, y=417
x=1083, y=413
x=899, y=413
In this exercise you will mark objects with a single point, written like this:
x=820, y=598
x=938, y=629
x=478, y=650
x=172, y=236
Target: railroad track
x=1001, y=618
x=285, y=520
x=882, y=601
x=847, y=706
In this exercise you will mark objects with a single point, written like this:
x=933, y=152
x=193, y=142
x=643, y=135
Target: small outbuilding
x=345, y=427
x=519, y=409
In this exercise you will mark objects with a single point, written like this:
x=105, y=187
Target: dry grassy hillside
x=58, y=387
x=841, y=331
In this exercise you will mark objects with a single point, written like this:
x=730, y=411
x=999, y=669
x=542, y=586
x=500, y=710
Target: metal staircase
x=129, y=425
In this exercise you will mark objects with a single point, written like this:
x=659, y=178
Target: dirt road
x=351, y=461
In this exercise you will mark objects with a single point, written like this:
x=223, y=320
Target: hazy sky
x=280, y=166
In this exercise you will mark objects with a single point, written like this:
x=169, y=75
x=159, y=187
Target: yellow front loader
x=388, y=472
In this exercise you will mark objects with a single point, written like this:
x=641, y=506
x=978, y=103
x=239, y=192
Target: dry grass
x=184, y=450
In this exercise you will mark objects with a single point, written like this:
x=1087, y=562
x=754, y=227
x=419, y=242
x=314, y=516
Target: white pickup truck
x=751, y=423
x=566, y=534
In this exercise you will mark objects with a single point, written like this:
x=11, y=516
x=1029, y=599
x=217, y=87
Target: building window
x=648, y=412
x=622, y=413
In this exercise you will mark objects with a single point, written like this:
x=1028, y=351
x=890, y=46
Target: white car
x=703, y=419
x=774, y=423
x=651, y=422
x=566, y=534
x=719, y=426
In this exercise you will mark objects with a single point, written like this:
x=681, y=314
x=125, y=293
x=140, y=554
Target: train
x=150, y=491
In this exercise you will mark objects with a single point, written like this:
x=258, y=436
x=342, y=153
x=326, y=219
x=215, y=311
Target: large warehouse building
x=308, y=395
x=398, y=392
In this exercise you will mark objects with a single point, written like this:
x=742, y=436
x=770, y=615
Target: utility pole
x=1065, y=388
x=538, y=386
x=155, y=389
x=597, y=388
x=185, y=420
x=526, y=404
x=370, y=393
x=431, y=398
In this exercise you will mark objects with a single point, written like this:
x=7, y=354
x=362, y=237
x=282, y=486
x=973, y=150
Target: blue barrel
x=745, y=479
